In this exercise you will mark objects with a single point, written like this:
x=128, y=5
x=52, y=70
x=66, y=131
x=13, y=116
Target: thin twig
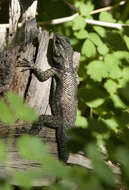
x=88, y=21
x=7, y=25
x=108, y=8
x=70, y=18
x=97, y=10
x=106, y=24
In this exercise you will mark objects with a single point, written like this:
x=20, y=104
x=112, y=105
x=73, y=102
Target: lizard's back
x=69, y=98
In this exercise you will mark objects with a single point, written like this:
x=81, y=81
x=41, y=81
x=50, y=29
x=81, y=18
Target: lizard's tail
x=62, y=139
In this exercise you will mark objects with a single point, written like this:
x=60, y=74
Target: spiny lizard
x=63, y=95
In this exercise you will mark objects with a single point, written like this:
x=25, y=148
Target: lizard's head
x=62, y=50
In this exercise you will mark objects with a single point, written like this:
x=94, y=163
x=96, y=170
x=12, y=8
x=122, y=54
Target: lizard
x=63, y=95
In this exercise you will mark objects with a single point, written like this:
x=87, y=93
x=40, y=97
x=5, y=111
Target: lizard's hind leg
x=62, y=140
x=54, y=122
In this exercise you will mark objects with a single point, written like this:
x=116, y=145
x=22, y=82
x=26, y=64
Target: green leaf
x=112, y=66
x=125, y=77
x=93, y=152
x=100, y=30
x=93, y=94
x=52, y=165
x=80, y=120
x=126, y=38
x=84, y=8
x=102, y=171
x=88, y=49
x=115, y=41
x=121, y=55
x=111, y=86
x=106, y=16
x=95, y=39
x=6, y=186
x=122, y=155
x=78, y=23
x=22, y=111
x=122, y=118
x=83, y=180
x=96, y=70
x=105, y=173
x=32, y=148
x=60, y=186
x=112, y=124
x=103, y=49
x=82, y=34
x=22, y=179
x=74, y=41
x=95, y=103
x=6, y=115
x=2, y=152
x=27, y=177
x=117, y=101
x=124, y=94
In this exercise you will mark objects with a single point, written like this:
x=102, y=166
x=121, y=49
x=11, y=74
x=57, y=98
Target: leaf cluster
x=103, y=117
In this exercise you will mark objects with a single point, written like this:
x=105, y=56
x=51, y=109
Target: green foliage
x=124, y=94
x=5, y=186
x=102, y=133
x=2, y=152
x=31, y=148
x=78, y=23
x=105, y=16
x=84, y=8
x=6, y=115
x=92, y=94
x=100, y=30
x=96, y=70
x=15, y=108
x=88, y=49
x=102, y=170
x=82, y=34
x=103, y=95
x=21, y=110
x=81, y=121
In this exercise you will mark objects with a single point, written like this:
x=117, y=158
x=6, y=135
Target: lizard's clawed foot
x=29, y=65
x=35, y=129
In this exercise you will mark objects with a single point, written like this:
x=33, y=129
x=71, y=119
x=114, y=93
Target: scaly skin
x=63, y=96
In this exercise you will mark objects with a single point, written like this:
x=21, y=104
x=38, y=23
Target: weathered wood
x=14, y=15
x=3, y=34
x=36, y=94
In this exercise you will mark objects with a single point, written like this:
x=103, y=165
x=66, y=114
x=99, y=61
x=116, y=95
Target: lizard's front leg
x=41, y=75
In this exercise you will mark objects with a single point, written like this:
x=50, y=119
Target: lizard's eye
x=67, y=40
x=57, y=41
